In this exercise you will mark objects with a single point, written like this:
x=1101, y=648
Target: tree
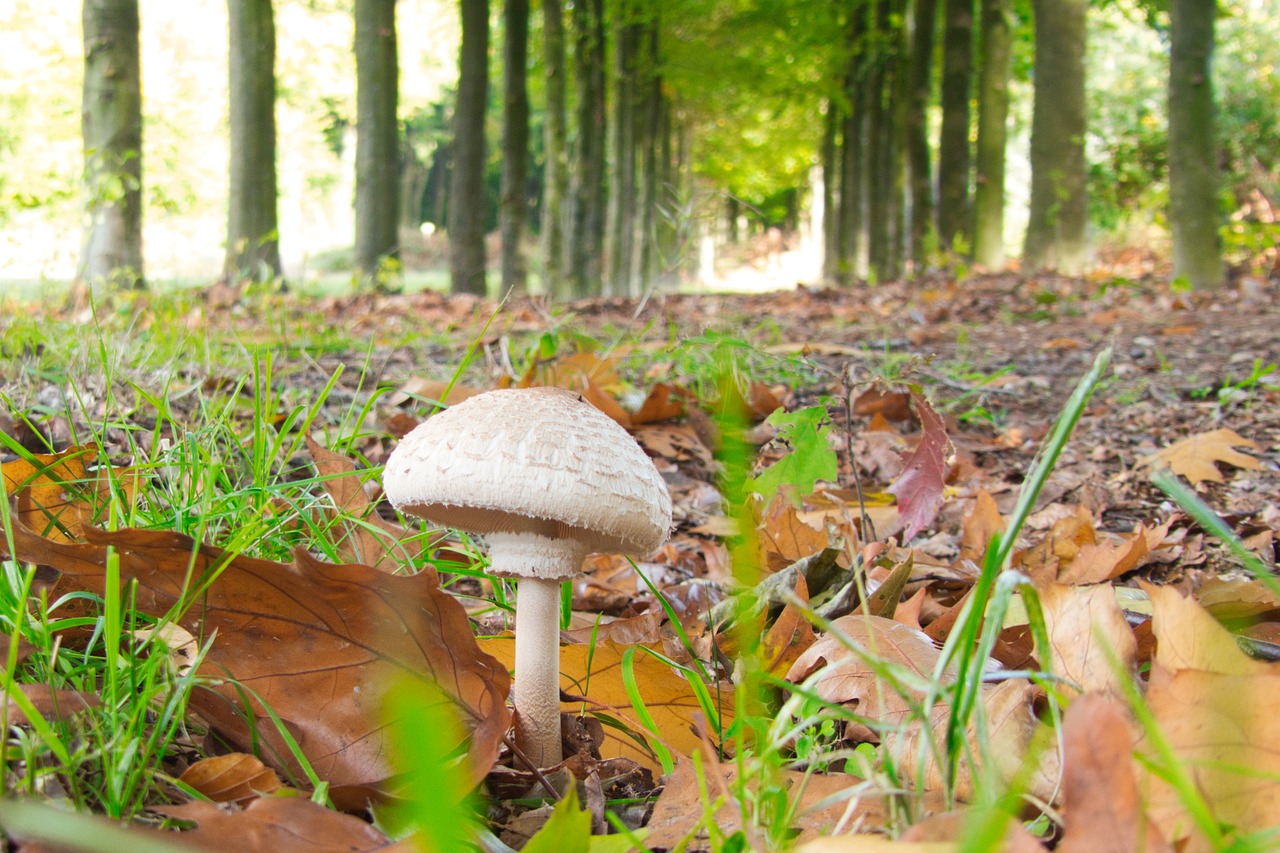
x=513, y=202
x=556, y=174
x=953, y=141
x=377, y=139
x=993, y=112
x=919, y=88
x=466, y=187
x=587, y=232
x=111, y=125
x=621, y=212
x=1193, y=161
x=253, y=239
x=1056, y=229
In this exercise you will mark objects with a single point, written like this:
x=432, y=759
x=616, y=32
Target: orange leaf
x=1194, y=457
x=231, y=778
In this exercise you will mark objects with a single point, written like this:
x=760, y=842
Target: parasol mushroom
x=546, y=478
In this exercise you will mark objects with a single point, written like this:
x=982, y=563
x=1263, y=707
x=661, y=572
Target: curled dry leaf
x=233, y=778
x=924, y=471
x=301, y=637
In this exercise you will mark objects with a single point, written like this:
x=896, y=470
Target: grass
x=211, y=427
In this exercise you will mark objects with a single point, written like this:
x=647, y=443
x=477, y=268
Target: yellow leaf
x=1194, y=457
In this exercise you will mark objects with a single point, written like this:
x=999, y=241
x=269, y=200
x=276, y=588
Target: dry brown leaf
x=983, y=522
x=1101, y=808
x=369, y=539
x=1195, y=457
x=588, y=375
x=432, y=390
x=320, y=643
x=1189, y=638
x=232, y=778
x=1225, y=733
x=950, y=826
x=784, y=538
x=1103, y=561
x=1043, y=560
x=58, y=496
x=1090, y=641
x=51, y=704
x=596, y=672
x=272, y=825
x=664, y=403
x=789, y=635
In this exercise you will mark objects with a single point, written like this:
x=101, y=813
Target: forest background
x=685, y=137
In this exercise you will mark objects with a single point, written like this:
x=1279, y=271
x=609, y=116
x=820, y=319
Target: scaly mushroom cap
x=539, y=469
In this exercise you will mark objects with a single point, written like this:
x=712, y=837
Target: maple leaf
x=319, y=643
x=1194, y=457
x=924, y=471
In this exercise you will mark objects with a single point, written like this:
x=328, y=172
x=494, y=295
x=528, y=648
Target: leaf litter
x=303, y=636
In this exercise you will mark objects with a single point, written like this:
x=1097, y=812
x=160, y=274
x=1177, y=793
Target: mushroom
x=546, y=478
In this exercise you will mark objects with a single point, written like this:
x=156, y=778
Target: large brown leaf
x=319, y=643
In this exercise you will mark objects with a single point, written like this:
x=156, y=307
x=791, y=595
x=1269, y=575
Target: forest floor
x=1192, y=375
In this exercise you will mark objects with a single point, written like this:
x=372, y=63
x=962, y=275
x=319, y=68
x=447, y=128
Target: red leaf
x=924, y=470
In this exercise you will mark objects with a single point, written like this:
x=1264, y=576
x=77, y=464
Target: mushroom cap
x=539, y=461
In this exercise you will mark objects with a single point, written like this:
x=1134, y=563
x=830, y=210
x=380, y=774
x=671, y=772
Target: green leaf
x=811, y=457
x=568, y=830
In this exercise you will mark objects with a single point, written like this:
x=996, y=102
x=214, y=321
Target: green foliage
x=807, y=432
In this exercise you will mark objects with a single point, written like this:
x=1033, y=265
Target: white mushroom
x=546, y=478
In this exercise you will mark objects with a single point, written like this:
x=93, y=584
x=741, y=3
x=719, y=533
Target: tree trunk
x=377, y=141
x=556, y=176
x=253, y=237
x=919, y=166
x=830, y=180
x=513, y=205
x=111, y=124
x=953, y=141
x=620, y=230
x=466, y=185
x=651, y=111
x=993, y=111
x=587, y=238
x=1193, y=159
x=851, y=244
x=1056, y=230
x=413, y=184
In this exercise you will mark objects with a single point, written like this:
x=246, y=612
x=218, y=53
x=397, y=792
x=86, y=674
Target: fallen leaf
x=1090, y=642
x=1101, y=809
x=784, y=538
x=951, y=826
x=232, y=778
x=924, y=471
x=272, y=825
x=59, y=496
x=367, y=537
x=49, y=703
x=432, y=391
x=303, y=637
x=596, y=672
x=982, y=522
x=1195, y=457
x=664, y=403
x=1188, y=637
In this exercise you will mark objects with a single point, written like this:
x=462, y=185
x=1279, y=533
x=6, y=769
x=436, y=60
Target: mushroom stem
x=537, y=681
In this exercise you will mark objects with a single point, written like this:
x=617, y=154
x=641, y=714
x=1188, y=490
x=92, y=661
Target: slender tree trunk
x=253, y=237
x=377, y=140
x=589, y=175
x=556, y=177
x=896, y=89
x=993, y=112
x=953, y=142
x=1056, y=230
x=466, y=185
x=1193, y=159
x=830, y=195
x=513, y=205
x=919, y=165
x=413, y=185
x=111, y=124
x=651, y=110
x=620, y=231
x=852, y=240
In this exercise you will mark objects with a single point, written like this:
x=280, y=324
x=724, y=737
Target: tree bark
x=851, y=242
x=993, y=111
x=587, y=238
x=111, y=125
x=466, y=185
x=513, y=204
x=556, y=177
x=1193, y=159
x=953, y=141
x=830, y=180
x=621, y=215
x=253, y=237
x=1056, y=230
x=919, y=165
x=651, y=138
x=377, y=140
